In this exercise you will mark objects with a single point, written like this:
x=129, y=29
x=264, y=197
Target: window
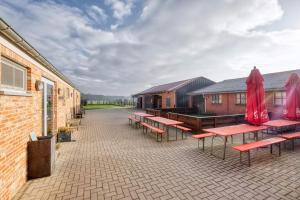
x=13, y=76
x=168, y=102
x=279, y=98
x=216, y=99
x=241, y=98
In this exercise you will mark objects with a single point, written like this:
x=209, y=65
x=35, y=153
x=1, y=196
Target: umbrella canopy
x=292, y=108
x=256, y=112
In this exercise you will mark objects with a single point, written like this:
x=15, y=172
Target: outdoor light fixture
x=39, y=85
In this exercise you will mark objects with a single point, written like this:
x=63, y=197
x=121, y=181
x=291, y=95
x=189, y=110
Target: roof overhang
x=232, y=92
x=10, y=34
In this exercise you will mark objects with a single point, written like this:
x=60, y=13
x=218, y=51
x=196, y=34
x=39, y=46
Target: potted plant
x=64, y=135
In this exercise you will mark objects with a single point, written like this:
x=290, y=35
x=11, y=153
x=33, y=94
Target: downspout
x=228, y=103
x=204, y=97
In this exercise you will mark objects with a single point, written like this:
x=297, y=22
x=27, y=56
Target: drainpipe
x=204, y=97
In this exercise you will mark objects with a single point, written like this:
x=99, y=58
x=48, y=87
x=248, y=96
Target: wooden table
x=166, y=122
x=227, y=131
x=280, y=123
x=142, y=115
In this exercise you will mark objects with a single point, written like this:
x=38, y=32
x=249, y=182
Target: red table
x=227, y=131
x=281, y=123
x=166, y=122
x=142, y=115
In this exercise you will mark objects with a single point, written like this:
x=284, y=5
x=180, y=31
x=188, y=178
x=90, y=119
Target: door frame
x=44, y=104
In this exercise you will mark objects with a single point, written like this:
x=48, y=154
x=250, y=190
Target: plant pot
x=64, y=137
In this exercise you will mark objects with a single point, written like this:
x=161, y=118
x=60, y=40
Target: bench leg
x=198, y=143
x=182, y=135
x=293, y=144
x=249, y=159
x=156, y=137
x=203, y=144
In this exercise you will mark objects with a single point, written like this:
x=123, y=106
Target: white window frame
x=238, y=98
x=15, y=66
x=216, y=100
x=283, y=98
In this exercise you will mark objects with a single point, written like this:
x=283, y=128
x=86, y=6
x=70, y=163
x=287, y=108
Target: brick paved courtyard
x=110, y=160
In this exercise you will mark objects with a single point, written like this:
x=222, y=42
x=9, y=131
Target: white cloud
x=121, y=8
x=172, y=40
x=97, y=14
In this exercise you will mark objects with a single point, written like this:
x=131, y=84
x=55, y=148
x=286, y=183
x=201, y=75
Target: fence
x=123, y=102
x=198, y=123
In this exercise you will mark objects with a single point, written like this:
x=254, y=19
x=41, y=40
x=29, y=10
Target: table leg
x=293, y=144
x=225, y=142
x=244, y=141
x=167, y=128
x=279, y=149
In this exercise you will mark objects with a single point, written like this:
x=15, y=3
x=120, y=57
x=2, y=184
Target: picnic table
x=142, y=115
x=227, y=131
x=279, y=124
x=166, y=122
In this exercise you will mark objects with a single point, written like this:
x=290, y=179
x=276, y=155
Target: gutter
x=236, y=91
x=21, y=43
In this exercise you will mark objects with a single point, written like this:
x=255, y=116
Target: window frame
x=15, y=67
x=239, y=100
x=282, y=98
x=216, y=98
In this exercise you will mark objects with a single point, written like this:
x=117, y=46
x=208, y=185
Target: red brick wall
x=229, y=105
x=21, y=115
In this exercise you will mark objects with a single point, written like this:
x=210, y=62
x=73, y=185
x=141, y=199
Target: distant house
x=171, y=95
x=229, y=96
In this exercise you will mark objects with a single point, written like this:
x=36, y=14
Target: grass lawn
x=101, y=106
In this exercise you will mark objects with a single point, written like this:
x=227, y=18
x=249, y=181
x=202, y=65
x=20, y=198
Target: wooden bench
x=292, y=137
x=202, y=137
x=158, y=131
x=183, y=130
x=262, y=143
x=133, y=120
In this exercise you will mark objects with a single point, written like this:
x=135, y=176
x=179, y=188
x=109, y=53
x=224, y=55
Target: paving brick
x=111, y=160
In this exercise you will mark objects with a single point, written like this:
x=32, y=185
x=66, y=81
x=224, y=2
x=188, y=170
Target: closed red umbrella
x=292, y=107
x=256, y=112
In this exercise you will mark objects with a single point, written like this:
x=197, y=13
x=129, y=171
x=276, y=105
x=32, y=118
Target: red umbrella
x=292, y=108
x=256, y=112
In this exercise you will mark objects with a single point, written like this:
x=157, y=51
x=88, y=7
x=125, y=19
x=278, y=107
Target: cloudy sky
x=119, y=47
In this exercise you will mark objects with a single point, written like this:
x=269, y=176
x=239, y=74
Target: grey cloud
x=172, y=40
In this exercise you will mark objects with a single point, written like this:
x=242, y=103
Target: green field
x=102, y=106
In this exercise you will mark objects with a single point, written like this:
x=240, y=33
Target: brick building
x=170, y=95
x=34, y=97
x=229, y=96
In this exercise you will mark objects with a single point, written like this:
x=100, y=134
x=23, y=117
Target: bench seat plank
x=203, y=135
x=182, y=128
x=261, y=143
x=155, y=129
x=291, y=135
